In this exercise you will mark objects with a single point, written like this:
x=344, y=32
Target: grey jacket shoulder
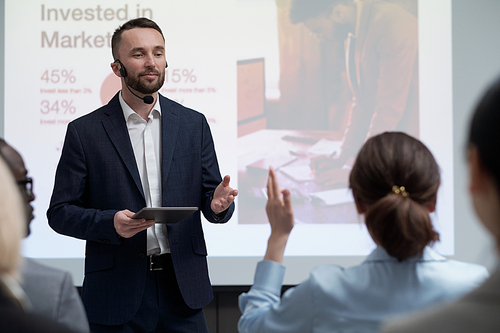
x=475, y=312
x=53, y=295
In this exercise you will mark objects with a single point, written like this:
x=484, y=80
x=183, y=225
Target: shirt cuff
x=219, y=216
x=269, y=276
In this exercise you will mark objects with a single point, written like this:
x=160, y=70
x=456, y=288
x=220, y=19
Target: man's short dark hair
x=140, y=22
x=301, y=10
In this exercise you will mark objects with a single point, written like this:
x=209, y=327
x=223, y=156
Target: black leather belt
x=159, y=262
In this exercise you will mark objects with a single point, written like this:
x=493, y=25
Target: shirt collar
x=380, y=254
x=127, y=110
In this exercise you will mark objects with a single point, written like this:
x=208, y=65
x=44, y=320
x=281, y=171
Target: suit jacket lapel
x=170, y=127
x=116, y=128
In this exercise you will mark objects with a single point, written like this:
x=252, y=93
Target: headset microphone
x=123, y=72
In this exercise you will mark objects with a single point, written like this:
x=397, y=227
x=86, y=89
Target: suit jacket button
x=142, y=255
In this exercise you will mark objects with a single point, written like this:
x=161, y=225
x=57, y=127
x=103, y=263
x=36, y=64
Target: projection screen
x=274, y=93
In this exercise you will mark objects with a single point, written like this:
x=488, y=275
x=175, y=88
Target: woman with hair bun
x=394, y=183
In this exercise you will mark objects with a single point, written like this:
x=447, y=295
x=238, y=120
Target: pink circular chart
x=110, y=86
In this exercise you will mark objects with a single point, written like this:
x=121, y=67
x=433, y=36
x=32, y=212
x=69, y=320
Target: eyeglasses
x=27, y=184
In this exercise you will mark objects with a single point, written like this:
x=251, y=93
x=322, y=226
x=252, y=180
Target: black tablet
x=165, y=214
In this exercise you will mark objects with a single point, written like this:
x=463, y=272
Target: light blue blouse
x=355, y=299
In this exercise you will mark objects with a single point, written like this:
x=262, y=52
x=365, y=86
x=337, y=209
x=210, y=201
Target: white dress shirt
x=355, y=299
x=144, y=135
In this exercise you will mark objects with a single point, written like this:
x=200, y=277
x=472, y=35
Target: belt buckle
x=152, y=264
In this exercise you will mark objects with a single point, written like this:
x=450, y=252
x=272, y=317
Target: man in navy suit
x=141, y=149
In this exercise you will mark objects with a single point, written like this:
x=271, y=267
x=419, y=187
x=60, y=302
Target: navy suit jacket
x=97, y=176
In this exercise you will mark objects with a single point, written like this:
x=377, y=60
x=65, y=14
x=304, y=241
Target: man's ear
x=116, y=68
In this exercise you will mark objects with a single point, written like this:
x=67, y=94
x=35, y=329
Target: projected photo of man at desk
x=348, y=71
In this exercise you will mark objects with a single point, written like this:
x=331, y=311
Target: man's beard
x=135, y=83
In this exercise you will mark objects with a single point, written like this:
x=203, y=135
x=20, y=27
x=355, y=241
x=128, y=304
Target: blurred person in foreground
x=394, y=182
x=479, y=310
x=51, y=291
x=14, y=304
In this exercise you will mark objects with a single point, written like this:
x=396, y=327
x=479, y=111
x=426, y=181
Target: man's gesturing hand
x=223, y=196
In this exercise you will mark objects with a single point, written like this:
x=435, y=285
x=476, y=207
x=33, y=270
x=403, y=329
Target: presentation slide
x=275, y=93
